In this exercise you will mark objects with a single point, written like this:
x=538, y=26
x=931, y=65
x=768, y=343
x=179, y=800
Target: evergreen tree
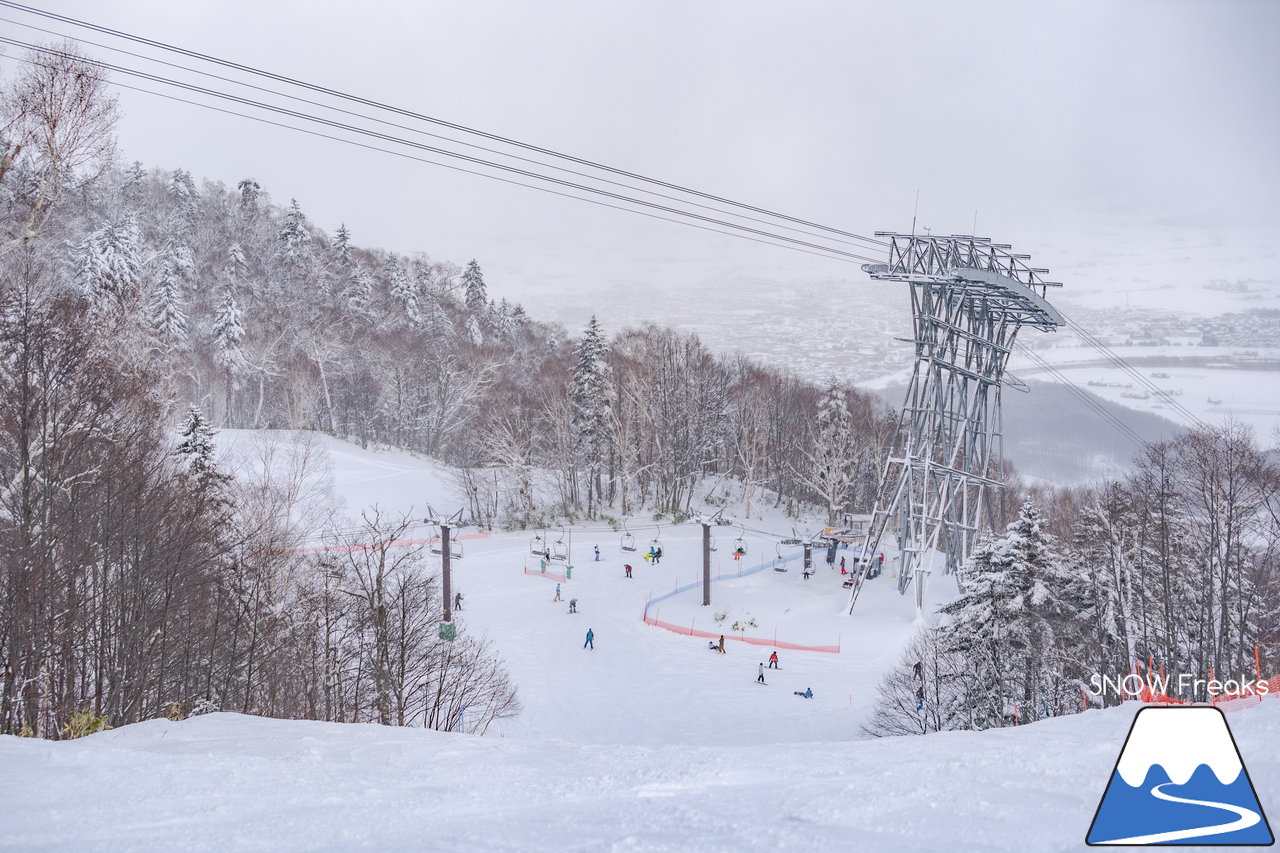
x=403, y=293
x=829, y=466
x=592, y=397
x=473, y=286
x=1010, y=623
x=108, y=265
x=342, y=247
x=359, y=290
x=473, y=330
x=295, y=236
x=168, y=317
x=249, y=195
x=228, y=336
x=134, y=185
x=195, y=452
x=196, y=458
x=182, y=193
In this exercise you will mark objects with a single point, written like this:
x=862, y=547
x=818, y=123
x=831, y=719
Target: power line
x=1119, y=361
x=421, y=132
x=433, y=120
x=820, y=251
x=156, y=78
x=1084, y=396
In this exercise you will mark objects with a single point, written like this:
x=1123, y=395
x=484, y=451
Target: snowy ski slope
x=647, y=742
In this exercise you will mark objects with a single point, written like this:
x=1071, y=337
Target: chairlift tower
x=969, y=298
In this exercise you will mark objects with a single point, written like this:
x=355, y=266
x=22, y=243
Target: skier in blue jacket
x=590, y=640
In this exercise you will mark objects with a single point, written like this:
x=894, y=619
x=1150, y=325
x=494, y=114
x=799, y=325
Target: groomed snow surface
x=648, y=742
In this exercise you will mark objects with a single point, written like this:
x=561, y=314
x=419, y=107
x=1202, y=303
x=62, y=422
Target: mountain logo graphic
x=1180, y=781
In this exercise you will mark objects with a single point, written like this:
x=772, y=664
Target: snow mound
x=227, y=782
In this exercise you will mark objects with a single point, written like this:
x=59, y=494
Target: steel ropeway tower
x=969, y=298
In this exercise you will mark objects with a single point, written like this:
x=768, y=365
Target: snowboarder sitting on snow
x=712, y=646
x=773, y=660
x=807, y=694
x=573, y=605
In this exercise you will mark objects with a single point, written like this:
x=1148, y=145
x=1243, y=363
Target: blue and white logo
x=1180, y=781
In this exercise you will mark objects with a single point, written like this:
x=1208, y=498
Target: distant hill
x=1050, y=434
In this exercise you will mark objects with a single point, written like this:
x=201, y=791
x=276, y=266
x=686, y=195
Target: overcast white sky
x=1040, y=117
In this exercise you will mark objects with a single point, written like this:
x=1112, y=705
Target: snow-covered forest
x=264, y=321
x=1174, y=570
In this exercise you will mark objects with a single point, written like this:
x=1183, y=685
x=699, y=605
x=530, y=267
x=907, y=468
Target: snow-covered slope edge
x=227, y=782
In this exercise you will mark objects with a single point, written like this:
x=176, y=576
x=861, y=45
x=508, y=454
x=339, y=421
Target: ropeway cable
x=421, y=117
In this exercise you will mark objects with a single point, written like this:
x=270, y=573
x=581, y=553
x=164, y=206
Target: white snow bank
x=230, y=783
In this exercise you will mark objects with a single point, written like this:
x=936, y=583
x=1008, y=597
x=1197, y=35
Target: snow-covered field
x=648, y=742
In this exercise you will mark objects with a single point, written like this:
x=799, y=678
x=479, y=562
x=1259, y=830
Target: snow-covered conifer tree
x=403, y=293
x=108, y=263
x=196, y=450
x=1009, y=622
x=131, y=190
x=592, y=397
x=168, y=316
x=828, y=467
x=294, y=236
x=182, y=192
x=473, y=330
x=227, y=333
x=249, y=194
x=474, y=289
x=359, y=290
x=342, y=247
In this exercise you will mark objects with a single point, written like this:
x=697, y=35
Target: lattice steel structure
x=969, y=297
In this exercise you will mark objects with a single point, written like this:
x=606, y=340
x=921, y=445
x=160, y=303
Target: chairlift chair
x=793, y=539
x=779, y=562
x=538, y=546
x=656, y=542
x=628, y=541
x=559, y=551
x=740, y=544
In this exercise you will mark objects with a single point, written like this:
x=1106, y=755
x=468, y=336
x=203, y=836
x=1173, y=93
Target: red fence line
x=690, y=631
x=1224, y=701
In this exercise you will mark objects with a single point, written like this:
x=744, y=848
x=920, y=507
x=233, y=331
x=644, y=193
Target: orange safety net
x=1223, y=701
x=552, y=576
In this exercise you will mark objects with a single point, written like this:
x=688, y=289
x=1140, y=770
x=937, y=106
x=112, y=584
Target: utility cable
x=421, y=117
x=155, y=78
x=420, y=132
x=819, y=253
